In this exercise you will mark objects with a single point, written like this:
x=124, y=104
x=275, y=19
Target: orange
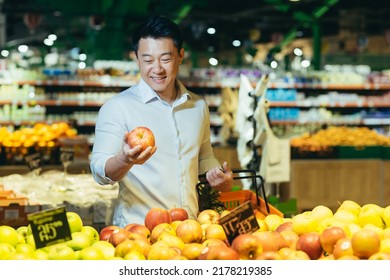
x=365, y=243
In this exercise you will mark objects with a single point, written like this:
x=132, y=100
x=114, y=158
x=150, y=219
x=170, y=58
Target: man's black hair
x=158, y=27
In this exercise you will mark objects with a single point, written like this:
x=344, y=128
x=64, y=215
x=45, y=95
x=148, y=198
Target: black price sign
x=49, y=227
x=33, y=161
x=239, y=221
x=67, y=154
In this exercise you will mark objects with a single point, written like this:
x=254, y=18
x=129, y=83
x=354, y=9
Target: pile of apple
x=352, y=232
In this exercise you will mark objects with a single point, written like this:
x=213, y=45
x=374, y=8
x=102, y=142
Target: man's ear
x=181, y=55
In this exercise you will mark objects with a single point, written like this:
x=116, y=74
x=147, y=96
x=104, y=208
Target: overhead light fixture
x=274, y=64
x=213, y=61
x=82, y=56
x=305, y=63
x=48, y=42
x=298, y=52
x=52, y=37
x=236, y=43
x=23, y=48
x=82, y=65
x=5, y=53
x=211, y=30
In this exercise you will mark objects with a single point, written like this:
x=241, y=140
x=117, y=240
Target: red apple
x=267, y=240
x=105, y=232
x=247, y=245
x=329, y=237
x=214, y=231
x=190, y=231
x=127, y=246
x=213, y=242
x=156, y=216
x=178, y=214
x=138, y=229
x=269, y=255
x=271, y=240
x=310, y=243
x=160, y=229
x=140, y=135
x=291, y=238
x=342, y=248
x=218, y=253
x=298, y=255
x=118, y=236
x=192, y=250
x=284, y=226
x=208, y=216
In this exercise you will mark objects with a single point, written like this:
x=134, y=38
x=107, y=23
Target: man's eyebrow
x=166, y=53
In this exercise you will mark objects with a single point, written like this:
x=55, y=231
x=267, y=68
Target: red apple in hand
x=140, y=135
x=178, y=214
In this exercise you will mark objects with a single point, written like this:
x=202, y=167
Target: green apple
x=370, y=214
x=350, y=206
x=106, y=248
x=91, y=232
x=79, y=241
x=61, y=252
x=23, y=230
x=75, y=221
x=41, y=254
x=30, y=240
x=25, y=248
x=9, y=235
x=91, y=253
x=22, y=256
x=386, y=216
x=6, y=251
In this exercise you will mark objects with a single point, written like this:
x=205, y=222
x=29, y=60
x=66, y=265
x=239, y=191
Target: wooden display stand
x=329, y=182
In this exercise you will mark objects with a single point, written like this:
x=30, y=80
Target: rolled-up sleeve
x=109, y=133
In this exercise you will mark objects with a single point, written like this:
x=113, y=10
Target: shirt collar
x=148, y=94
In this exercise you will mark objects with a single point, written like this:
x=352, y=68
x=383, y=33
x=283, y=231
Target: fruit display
x=40, y=138
x=339, y=136
x=352, y=232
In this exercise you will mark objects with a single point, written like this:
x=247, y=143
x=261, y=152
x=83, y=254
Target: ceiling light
x=82, y=65
x=82, y=56
x=48, y=42
x=52, y=37
x=211, y=30
x=236, y=43
x=305, y=63
x=23, y=48
x=5, y=53
x=298, y=52
x=213, y=61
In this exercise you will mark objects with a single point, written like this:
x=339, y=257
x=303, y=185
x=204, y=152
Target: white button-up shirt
x=169, y=177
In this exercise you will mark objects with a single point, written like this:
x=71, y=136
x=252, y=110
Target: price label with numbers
x=34, y=161
x=49, y=227
x=239, y=221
